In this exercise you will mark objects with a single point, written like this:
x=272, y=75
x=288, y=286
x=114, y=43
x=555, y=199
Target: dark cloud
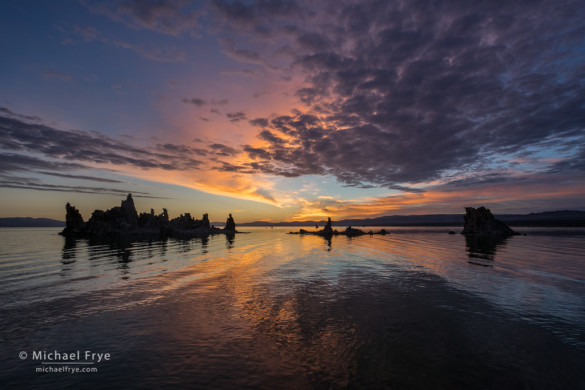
x=81, y=177
x=236, y=116
x=11, y=162
x=270, y=137
x=242, y=72
x=181, y=149
x=407, y=92
x=196, y=101
x=23, y=138
x=574, y=164
x=35, y=184
x=257, y=153
x=481, y=179
x=261, y=17
x=260, y=122
x=27, y=118
x=201, y=102
x=223, y=150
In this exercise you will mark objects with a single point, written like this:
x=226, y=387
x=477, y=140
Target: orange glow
x=439, y=200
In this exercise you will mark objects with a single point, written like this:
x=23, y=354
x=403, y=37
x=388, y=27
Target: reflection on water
x=271, y=310
x=483, y=247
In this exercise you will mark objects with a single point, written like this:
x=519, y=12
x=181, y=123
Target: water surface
x=418, y=308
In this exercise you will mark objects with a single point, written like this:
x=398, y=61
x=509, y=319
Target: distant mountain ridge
x=561, y=218
x=30, y=222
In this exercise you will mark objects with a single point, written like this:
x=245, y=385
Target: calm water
x=415, y=309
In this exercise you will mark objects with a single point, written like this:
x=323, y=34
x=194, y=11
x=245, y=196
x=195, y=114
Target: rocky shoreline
x=124, y=221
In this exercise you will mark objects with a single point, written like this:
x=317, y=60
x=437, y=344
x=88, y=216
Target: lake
x=415, y=309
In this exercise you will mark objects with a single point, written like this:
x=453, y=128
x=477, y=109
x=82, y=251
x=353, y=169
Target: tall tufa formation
x=129, y=211
x=328, y=229
x=73, y=220
x=480, y=221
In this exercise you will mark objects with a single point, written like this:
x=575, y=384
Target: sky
x=292, y=110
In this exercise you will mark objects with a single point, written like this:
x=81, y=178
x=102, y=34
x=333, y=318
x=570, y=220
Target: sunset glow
x=291, y=111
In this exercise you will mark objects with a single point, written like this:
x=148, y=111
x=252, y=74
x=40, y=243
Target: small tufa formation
x=328, y=231
x=352, y=232
x=230, y=224
x=154, y=223
x=480, y=221
x=125, y=221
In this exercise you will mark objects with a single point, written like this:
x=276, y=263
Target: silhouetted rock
x=230, y=224
x=204, y=224
x=480, y=221
x=129, y=211
x=328, y=228
x=328, y=231
x=115, y=221
x=186, y=225
x=125, y=221
x=351, y=232
x=73, y=221
x=149, y=222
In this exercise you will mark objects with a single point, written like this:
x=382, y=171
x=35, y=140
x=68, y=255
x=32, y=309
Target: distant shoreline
x=564, y=218
x=30, y=222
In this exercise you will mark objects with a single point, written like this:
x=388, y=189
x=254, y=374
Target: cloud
x=52, y=74
x=574, y=164
x=149, y=51
x=261, y=17
x=244, y=55
x=37, y=185
x=12, y=162
x=236, y=116
x=195, y=101
x=400, y=93
x=173, y=17
x=28, y=145
x=240, y=72
x=81, y=177
x=223, y=150
x=259, y=122
x=201, y=102
x=27, y=118
x=81, y=149
x=522, y=194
